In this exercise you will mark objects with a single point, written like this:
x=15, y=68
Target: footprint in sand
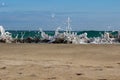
x=79, y=74
x=102, y=79
x=69, y=63
x=3, y=67
x=33, y=75
x=98, y=69
x=118, y=63
x=48, y=67
x=108, y=66
x=20, y=73
x=52, y=78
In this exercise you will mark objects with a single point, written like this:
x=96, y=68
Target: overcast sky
x=50, y=14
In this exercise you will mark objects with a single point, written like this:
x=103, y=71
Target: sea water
x=26, y=34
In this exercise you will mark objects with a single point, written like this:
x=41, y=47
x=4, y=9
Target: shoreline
x=59, y=62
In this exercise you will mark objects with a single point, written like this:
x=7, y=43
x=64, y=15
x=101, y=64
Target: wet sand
x=59, y=62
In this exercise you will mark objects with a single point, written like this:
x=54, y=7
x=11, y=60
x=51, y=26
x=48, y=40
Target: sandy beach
x=59, y=62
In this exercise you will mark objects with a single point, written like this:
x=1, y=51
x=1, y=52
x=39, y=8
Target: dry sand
x=59, y=62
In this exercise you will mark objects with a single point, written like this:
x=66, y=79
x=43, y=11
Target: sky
x=50, y=14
